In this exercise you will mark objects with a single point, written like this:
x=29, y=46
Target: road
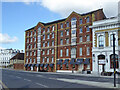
x=22, y=79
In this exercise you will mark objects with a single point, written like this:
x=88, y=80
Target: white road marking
x=41, y=76
x=91, y=83
x=42, y=85
x=18, y=77
x=27, y=80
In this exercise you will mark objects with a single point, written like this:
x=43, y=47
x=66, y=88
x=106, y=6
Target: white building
x=102, y=51
x=6, y=55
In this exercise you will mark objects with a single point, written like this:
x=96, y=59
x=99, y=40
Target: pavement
x=30, y=79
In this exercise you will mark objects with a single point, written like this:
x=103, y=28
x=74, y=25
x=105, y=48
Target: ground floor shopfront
x=63, y=65
x=103, y=61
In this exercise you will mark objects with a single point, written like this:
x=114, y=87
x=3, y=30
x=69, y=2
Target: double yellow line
x=3, y=85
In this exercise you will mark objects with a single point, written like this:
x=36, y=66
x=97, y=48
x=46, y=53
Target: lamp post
x=114, y=60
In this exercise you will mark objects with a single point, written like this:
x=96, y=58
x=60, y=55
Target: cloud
x=5, y=39
x=1, y=47
x=65, y=7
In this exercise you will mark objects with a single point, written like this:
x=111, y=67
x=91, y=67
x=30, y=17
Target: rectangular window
x=52, y=35
x=34, y=39
x=87, y=28
x=52, y=43
x=61, y=25
x=80, y=21
x=47, y=52
x=28, y=47
x=47, y=60
x=101, y=41
x=43, y=30
x=30, y=53
x=43, y=44
x=34, y=45
x=43, y=60
x=35, y=33
x=30, y=60
x=67, y=32
x=34, y=60
x=34, y=53
x=27, y=40
x=67, y=52
x=27, y=53
x=31, y=40
x=48, y=29
x=53, y=27
x=88, y=38
x=38, y=52
x=43, y=37
x=52, y=59
x=48, y=44
x=67, y=24
x=27, y=60
x=61, y=53
x=43, y=52
x=88, y=50
x=73, y=31
x=67, y=41
x=73, y=40
x=31, y=33
x=31, y=46
x=61, y=42
x=87, y=19
x=81, y=30
x=81, y=39
x=28, y=34
x=61, y=33
x=48, y=36
x=52, y=51
x=80, y=51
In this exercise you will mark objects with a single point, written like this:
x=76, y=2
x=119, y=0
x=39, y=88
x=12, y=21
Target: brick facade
x=61, y=35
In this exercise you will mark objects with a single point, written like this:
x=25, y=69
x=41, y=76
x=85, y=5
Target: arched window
x=101, y=41
x=112, y=61
x=73, y=19
x=101, y=56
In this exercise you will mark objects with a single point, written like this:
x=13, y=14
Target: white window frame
x=88, y=50
x=61, y=52
x=48, y=52
x=67, y=52
x=61, y=41
x=80, y=51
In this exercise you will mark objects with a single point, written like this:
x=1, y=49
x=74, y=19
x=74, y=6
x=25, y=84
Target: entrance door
x=80, y=67
x=100, y=68
x=31, y=68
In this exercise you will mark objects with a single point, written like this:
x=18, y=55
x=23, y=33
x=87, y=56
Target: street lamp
x=114, y=60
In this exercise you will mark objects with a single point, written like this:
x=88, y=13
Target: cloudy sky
x=19, y=15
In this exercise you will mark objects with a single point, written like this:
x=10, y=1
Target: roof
x=45, y=24
x=19, y=56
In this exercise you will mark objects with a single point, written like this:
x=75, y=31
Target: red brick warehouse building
x=61, y=45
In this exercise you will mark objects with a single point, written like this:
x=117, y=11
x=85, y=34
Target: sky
x=19, y=15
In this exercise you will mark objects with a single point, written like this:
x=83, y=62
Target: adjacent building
x=6, y=55
x=62, y=45
x=102, y=51
x=17, y=62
